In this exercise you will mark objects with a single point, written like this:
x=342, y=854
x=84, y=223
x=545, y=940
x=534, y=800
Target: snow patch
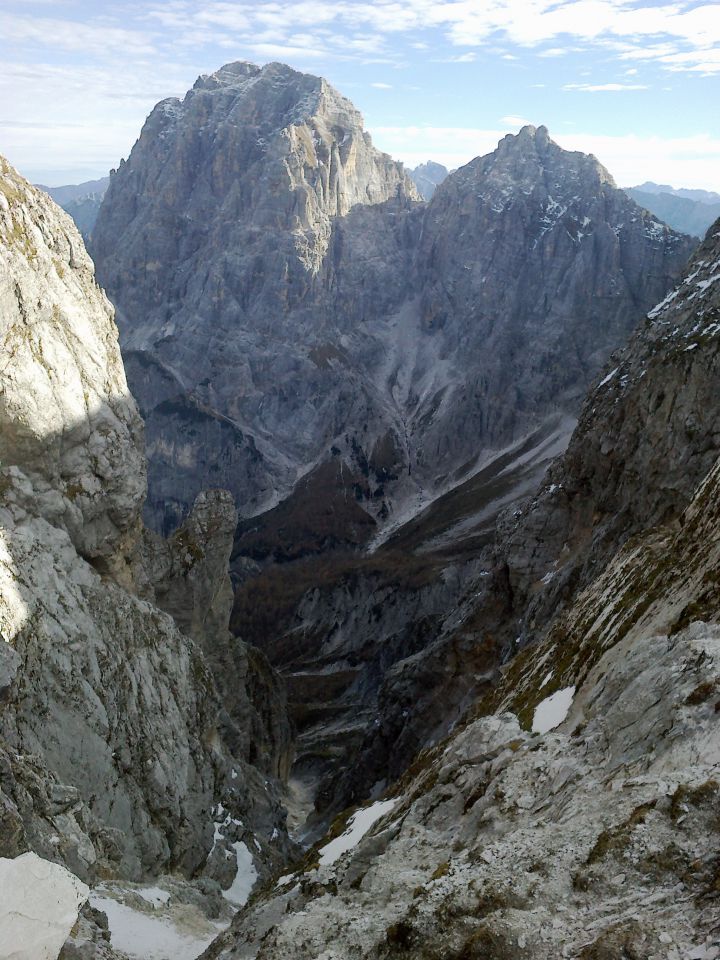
x=358, y=825
x=155, y=896
x=609, y=377
x=144, y=937
x=551, y=712
x=245, y=876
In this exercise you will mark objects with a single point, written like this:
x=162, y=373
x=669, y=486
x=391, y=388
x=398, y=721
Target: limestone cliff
x=224, y=210
x=110, y=732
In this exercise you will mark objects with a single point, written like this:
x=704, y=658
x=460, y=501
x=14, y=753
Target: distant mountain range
x=81, y=200
x=691, y=211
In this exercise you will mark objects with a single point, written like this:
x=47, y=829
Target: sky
x=635, y=82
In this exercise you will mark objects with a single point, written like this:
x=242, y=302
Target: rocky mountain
x=701, y=196
x=572, y=810
x=285, y=303
x=690, y=211
x=370, y=372
x=82, y=201
x=120, y=759
x=371, y=649
x=645, y=440
x=209, y=240
x=427, y=177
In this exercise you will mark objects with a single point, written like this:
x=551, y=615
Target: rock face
x=646, y=438
x=188, y=577
x=573, y=809
x=282, y=298
x=427, y=178
x=246, y=176
x=41, y=902
x=112, y=755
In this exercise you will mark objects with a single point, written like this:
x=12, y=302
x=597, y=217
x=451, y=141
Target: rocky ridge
x=113, y=758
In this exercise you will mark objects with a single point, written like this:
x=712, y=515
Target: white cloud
x=74, y=36
x=603, y=87
x=553, y=52
x=382, y=86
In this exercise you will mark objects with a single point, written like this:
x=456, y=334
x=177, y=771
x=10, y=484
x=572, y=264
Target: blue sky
x=635, y=82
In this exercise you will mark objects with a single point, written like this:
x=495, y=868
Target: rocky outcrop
x=110, y=731
x=188, y=577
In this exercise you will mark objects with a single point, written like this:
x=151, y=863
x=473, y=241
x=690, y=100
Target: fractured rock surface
x=113, y=762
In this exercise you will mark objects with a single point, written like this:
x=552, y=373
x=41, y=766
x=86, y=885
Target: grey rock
x=599, y=835
x=110, y=734
x=187, y=576
x=268, y=320
x=427, y=177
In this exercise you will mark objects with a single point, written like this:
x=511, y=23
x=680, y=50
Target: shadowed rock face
x=280, y=293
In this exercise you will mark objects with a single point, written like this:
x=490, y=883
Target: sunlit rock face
x=110, y=739
x=69, y=422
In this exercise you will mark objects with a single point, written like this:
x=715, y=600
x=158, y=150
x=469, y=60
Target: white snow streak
x=358, y=825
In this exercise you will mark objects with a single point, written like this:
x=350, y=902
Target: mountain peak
x=228, y=75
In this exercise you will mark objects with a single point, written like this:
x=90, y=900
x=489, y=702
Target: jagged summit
x=530, y=160
x=228, y=75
